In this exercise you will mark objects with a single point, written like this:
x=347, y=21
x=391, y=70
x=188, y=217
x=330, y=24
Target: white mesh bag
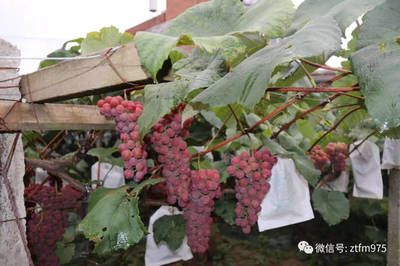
x=288, y=200
x=365, y=162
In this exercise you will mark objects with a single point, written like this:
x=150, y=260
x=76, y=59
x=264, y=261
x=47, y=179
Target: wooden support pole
x=24, y=116
x=76, y=78
x=393, y=254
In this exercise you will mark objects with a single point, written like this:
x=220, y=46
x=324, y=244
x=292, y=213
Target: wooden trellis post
x=393, y=239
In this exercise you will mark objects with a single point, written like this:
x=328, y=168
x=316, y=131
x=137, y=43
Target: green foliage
x=225, y=208
x=247, y=82
x=332, y=205
x=287, y=148
x=65, y=249
x=377, y=61
x=105, y=155
x=159, y=100
x=217, y=24
x=63, y=52
x=169, y=229
x=343, y=11
x=220, y=17
x=113, y=221
x=107, y=37
x=201, y=68
x=153, y=61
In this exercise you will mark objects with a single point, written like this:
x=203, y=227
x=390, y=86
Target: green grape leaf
x=154, y=49
x=247, y=82
x=159, y=99
x=380, y=24
x=332, y=205
x=169, y=229
x=65, y=252
x=107, y=37
x=225, y=208
x=376, y=64
x=201, y=68
x=105, y=155
x=343, y=11
x=215, y=25
x=114, y=223
x=220, y=17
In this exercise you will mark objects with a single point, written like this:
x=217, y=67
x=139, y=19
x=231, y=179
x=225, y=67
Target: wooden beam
x=80, y=77
x=24, y=116
x=393, y=239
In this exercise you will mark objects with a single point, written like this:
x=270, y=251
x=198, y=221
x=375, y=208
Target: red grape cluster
x=126, y=114
x=332, y=159
x=337, y=153
x=168, y=141
x=46, y=225
x=251, y=185
x=204, y=188
x=320, y=158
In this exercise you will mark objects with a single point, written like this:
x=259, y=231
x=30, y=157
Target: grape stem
x=341, y=70
x=359, y=144
x=256, y=125
x=286, y=126
x=316, y=89
x=334, y=126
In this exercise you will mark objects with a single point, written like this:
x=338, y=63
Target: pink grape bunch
x=337, y=153
x=46, y=224
x=167, y=140
x=320, y=158
x=133, y=153
x=332, y=159
x=197, y=214
x=251, y=172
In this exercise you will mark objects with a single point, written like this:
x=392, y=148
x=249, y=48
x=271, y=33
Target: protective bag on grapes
x=161, y=254
x=288, y=200
x=111, y=176
x=391, y=154
x=365, y=161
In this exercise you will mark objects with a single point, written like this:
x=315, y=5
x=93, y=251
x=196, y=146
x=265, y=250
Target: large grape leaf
x=107, y=37
x=332, y=205
x=201, y=68
x=159, y=99
x=169, y=229
x=376, y=64
x=114, y=222
x=247, y=82
x=213, y=25
x=343, y=11
x=220, y=17
x=380, y=24
x=154, y=49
